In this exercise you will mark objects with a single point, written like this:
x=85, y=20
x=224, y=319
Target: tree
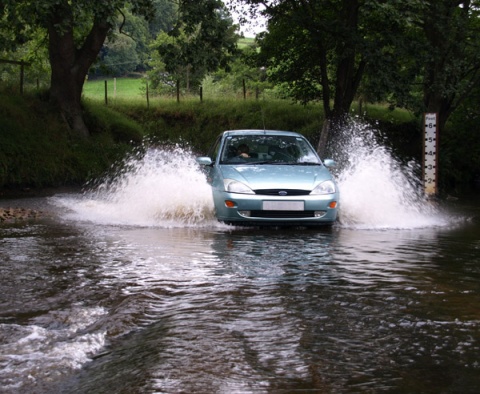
x=451, y=55
x=120, y=55
x=35, y=54
x=321, y=49
x=335, y=50
x=420, y=54
x=203, y=39
x=434, y=62
x=164, y=18
x=126, y=50
x=76, y=32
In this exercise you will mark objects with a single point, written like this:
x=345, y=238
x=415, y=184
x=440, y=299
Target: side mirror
x=204, y=161
x=329, y=163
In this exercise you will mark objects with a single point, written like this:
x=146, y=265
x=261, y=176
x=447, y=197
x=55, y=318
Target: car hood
x=268, y=176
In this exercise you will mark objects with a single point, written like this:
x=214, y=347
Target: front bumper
x=253, y=209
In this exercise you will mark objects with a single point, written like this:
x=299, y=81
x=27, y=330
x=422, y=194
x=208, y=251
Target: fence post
x=178, y=90
x=106, y=94
x=244, y=90
x=201, y=93
x=148, y=98
x=22, y=65
x=22, y=74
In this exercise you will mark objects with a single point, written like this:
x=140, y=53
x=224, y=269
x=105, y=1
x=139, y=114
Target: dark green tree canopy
x=203, y=39
x=337, y=50
x=164, y=17
x=76, y=32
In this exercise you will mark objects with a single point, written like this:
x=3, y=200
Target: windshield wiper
x=288, y=163
x=259, y=162
x=306, y=163
x=271, y=162
x=291, y=163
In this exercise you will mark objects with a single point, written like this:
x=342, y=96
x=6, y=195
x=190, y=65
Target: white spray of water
x=165, y=187
x=377, y=191
x=162, y=187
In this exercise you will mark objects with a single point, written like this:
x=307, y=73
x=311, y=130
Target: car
x=270, y=177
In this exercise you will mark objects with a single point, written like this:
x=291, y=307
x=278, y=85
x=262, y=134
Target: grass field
x=243, y=42
x=117, y=88
x=132, y=91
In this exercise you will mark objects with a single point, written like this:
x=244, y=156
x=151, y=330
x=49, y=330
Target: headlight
x=327, y=187
x=233, y=186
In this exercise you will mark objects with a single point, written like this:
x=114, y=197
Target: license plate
x=283, y=205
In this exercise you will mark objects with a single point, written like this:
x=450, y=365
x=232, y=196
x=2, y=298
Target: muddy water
x=93, y=308
x=134, y=287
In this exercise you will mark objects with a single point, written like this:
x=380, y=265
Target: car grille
x=282, y=214
x=281, y=192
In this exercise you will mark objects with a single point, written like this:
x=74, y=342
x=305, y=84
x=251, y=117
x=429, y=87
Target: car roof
x=260, y=131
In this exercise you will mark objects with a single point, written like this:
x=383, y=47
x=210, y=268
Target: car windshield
x=268, y=149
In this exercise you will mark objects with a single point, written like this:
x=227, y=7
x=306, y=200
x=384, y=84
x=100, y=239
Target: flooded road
x=136, y=289
x=88, y=308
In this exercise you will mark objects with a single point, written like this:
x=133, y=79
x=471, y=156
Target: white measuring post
x=430, y=154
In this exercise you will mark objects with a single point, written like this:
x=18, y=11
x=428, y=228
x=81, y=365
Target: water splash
x=155, y=187
x=377, y=190
x=164, y=186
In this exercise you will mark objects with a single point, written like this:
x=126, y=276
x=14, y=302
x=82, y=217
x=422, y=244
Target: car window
x=267, y=149
x=306, y=153
x=214, y=149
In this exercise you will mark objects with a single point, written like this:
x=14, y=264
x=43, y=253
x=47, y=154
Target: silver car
x=266, y=177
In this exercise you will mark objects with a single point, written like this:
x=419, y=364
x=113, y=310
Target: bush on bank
x=198, y=123
x=37, y=151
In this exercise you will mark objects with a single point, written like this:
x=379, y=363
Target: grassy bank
x=199, y=122
x=36, y=150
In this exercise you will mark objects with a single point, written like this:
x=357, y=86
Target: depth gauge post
x=430, y=154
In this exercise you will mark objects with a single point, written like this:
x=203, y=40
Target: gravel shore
x=14, y=214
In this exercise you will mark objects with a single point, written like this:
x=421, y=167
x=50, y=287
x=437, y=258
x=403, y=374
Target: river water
x=133, y=287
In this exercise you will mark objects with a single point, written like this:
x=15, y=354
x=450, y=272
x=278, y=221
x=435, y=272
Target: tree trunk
x=65, y=93
x=332, y=126
x=70, y=66
x=349, y=73
x=322, y=143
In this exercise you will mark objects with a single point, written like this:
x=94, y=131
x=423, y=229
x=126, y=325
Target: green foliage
x=460, y=146
x=77, y=31
x=198, y=123
x=162, y=80
x=120, y=56
x=111, y=123
x=417, y=54
x=35, y=54
x=126, y=49
x=202, y=40
x=37, y=151
x=164, y=17
x=452, y=61
x=20, y=16
x=321, y=50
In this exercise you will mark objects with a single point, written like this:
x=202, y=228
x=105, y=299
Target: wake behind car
x=267, y=177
